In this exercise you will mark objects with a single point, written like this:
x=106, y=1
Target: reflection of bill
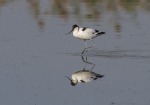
x=84, y=76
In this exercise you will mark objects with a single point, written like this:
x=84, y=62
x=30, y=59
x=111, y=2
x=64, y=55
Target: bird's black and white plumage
x=84, y=76
x=84, y=33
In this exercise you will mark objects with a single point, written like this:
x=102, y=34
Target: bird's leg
x=85, y=49
x=84, y=59
x=93, y=43
x=93, y=66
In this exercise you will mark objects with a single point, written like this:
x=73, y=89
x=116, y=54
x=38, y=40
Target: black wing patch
x=82, y=81
x=95, y=78
x=96, y=31
x=84, y=28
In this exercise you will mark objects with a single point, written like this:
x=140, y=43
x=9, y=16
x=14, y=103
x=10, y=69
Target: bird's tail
x=101, y=33
x=99, y=76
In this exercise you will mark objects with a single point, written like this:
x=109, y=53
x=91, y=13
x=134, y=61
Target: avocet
x=85, y=34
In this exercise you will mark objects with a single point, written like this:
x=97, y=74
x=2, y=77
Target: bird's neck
x=76, y=32
x=75, y=81
x=76, y=29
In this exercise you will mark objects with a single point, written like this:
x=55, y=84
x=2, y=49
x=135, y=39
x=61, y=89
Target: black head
x=72, y=83
x=73, y=27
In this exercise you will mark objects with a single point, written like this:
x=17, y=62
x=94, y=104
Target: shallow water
x=36, y=54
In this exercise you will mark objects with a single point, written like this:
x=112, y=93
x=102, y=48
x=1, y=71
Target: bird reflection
x=84, y=75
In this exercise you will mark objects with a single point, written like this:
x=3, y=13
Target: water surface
x=36, y=54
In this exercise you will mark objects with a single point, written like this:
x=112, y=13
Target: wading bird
x=85, y=34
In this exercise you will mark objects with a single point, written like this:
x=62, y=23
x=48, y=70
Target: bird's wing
x=89, y=30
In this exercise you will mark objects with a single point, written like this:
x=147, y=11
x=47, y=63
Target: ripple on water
x=132, y=54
